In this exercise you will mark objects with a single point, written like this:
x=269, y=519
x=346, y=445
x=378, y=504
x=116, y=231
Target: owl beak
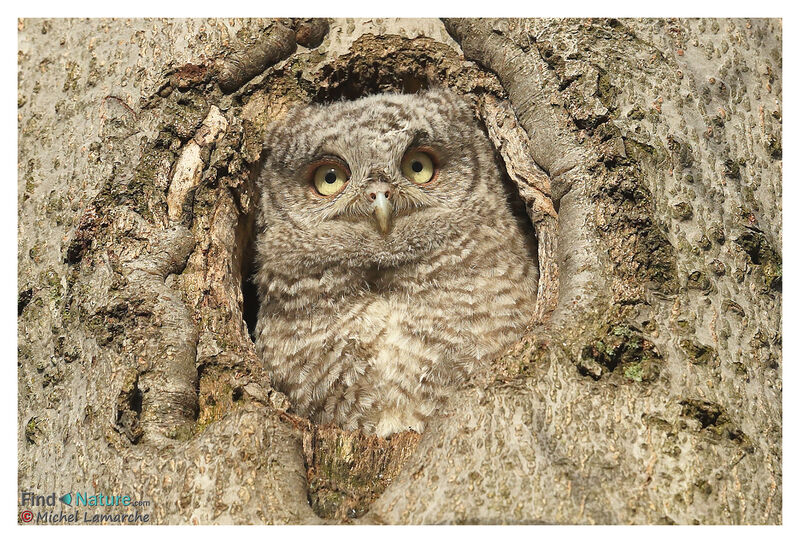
x=383, y=210
x=379, y=194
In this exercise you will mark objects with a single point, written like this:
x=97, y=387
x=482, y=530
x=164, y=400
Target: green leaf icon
x=66, y=498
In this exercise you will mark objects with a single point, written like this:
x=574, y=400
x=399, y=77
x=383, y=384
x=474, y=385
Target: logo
x=37, y=500
x=82, y=508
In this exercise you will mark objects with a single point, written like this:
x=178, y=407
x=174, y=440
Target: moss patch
x=622, y=349
x=34, y=430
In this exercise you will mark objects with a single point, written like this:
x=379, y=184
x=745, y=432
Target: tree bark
x=647, y=388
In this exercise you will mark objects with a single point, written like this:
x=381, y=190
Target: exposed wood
x=533, y=185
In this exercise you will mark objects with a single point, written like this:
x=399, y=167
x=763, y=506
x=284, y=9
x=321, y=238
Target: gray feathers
x=371, y=329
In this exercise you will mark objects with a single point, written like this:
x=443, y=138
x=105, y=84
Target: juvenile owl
x=390, y=262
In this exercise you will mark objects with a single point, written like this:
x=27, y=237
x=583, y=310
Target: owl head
x=376, y=182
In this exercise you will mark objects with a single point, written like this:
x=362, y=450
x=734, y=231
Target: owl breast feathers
x=390, y=262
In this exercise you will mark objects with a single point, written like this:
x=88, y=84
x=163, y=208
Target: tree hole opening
x=353, y=83
x=249, y=299
x=348, y=470
x=248, y=264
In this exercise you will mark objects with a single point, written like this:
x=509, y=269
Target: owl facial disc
x=380, y=195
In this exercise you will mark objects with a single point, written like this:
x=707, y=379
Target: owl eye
x=329, y=179
x=418, y=167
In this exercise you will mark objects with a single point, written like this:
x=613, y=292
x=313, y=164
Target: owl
x=390, y=261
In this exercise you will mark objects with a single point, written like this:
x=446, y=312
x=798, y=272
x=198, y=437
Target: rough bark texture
x=647, y=388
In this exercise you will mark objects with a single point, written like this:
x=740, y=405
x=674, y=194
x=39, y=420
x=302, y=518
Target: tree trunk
x=647, y=388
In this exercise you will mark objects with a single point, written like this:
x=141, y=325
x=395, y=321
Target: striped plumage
x=372, y=329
